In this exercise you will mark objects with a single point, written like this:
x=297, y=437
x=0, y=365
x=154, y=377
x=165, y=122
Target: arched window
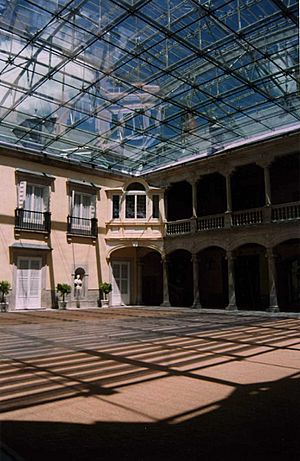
x=135, y=201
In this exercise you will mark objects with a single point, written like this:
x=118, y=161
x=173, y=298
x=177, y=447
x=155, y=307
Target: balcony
x=276, y=213
x=34, y=221
x=82, y=227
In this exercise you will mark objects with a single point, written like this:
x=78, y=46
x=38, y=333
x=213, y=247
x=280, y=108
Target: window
x=83, y=209
x=135, y=201
x=33, y=199
x=116, y=206
x=155, y=206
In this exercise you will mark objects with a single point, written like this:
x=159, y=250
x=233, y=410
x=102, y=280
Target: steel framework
x=137, y=85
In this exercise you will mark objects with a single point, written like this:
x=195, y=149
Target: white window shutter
x=46, y=198
x=22, y=194
x=72, y=202
x=93, y=206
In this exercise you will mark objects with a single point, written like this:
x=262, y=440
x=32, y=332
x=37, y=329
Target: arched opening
x=283, y=191
x=288, y=275
x=248, y=187
x=180, y=278
x=251, y=277
x=211, y=195
x=179, y=201
x=136, y=276
x=80, y=273
x=213, y=278
x=152, y=279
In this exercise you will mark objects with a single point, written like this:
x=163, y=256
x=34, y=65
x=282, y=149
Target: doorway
x=28, y=283
x=120, y=283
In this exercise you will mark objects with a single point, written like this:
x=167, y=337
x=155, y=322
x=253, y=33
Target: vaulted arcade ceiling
x=137, y=85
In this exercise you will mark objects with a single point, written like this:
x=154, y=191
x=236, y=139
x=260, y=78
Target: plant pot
x=62, y=305
x=4, y=306
x=104, y=302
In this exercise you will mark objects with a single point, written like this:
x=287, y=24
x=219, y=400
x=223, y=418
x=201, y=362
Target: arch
x=133, y=186
x=283, y=191
x=287, y=260
x=80, y=271
x=210, y=241
x=213, y=277
x=248, y=187
x=121, y=246
x=180, y=278
x=136, y=274
x=211, y=194
x=179, y=201
x=151, y=279
x=245, y=240
x=251, y=277
x=131, y=183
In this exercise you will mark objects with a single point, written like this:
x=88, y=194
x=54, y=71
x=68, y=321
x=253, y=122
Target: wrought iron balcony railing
x=30, y=220
x=82, y=226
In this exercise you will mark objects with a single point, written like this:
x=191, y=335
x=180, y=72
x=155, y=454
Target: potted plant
x=63, y=289
x=4, y=290
x=105, y=289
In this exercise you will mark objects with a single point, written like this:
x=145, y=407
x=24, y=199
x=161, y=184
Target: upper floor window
x=33, y=197
x=82, y=216
x=33, y=203
x=135, y=201
x=83, y=205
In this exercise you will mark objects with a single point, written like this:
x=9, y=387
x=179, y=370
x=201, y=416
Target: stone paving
x=149, y=384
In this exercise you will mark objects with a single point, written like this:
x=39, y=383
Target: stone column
x=194, y=197
x=228, y=211
x=265, y=164
x=166, y=301
x=196, y=303
x=231, y=283
x=273, y=303
x=267, y=185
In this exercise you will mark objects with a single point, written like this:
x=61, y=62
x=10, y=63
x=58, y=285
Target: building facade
x=217, y=232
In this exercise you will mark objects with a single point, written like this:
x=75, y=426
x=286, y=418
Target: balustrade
x=247, y=217
x=178, y=227
x=211, y=222
x=286, y=211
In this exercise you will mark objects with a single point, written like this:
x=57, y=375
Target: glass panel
x=130, y=200
x=134, y=86
x=116, y=270
x=124, y=287
x=155, y=204
x=124, y=271
x=116, y=206
x=141, y=206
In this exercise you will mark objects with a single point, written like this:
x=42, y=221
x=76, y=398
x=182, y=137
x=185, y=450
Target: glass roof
x=137, y=85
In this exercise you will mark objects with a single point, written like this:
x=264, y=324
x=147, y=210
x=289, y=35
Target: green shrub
x=105, y=287
x=64, y=289
x=4, y=289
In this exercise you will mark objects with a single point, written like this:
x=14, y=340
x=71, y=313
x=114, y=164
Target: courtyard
x=149, y=384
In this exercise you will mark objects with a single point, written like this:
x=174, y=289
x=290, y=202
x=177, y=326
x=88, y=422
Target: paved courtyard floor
x=149, y=384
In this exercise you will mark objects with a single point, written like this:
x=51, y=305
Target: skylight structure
x=137, y=85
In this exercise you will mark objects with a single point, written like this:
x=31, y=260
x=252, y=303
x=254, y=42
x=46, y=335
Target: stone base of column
x=196, y=305
x=231, y=307
x=273, y=309
x=165, y=304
